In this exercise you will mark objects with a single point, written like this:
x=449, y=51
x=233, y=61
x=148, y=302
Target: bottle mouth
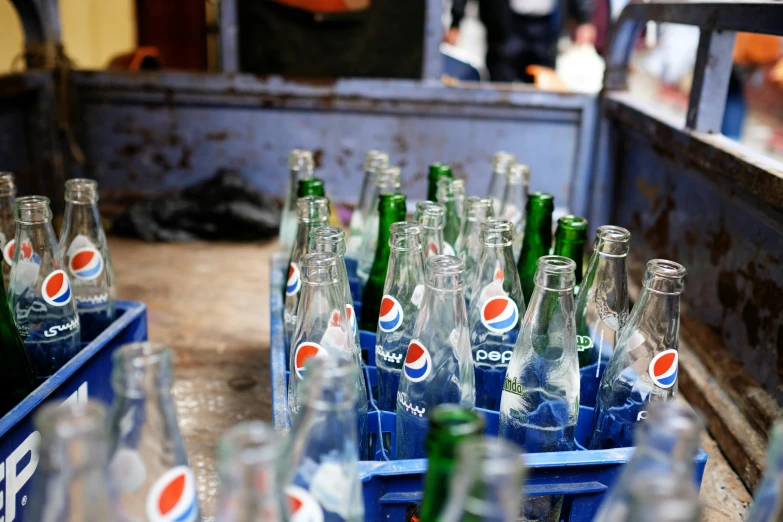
x=518, y=174
x=556, y=273
x=375, y=159
x=301, y=161
x=541, y=199
x=556, y=264
x=405, y=236
x=30, y=210
x=388, y=176
x=665, y=277
x=81, y=190
x=573, y=223
x=614, y=234
x=7, y=185
x=327, y=234
x=444, y=273
x=433, y=217
x=501, y=162
x=496, y=232
x=311, y=209
x=612, y=241
x=249, y=444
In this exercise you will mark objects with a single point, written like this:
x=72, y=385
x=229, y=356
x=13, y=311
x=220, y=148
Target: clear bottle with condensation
x=7, y=224
x=86, y=260
x=323, y=482
x=665, y=498
x=468, y=247
x=373, y=160
x=148, y=462
x=501, y=161
x=432, y=221
x=300, y=166
x=403, y=292
x=515, y=200
x=767, y=503
x=438, y=365
x=71, y=482
x=40, y=293
x=387, y=181
x=251, y=474
x=497, y=305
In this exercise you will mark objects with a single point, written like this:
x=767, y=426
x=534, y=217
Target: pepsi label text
x=52, y=331
x=494, y=356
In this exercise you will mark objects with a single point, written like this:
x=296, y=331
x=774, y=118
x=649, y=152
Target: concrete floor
x=210, y=303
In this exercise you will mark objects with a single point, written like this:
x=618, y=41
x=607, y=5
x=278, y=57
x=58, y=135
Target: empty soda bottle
x=300, y=165
x=644, y=365
x=436, y=171
x=570, y=238
x=438, y=367
x=250, y=476
x=72, y=482
x=487, y=484
x=40, y=294
x=768, y=501
x=468, y=245
x=501, y=162
x=387, y=181
x=496, y=307
x=147, y=457
x=7, y=224
x=403, y=292
x=601, y=307
x=16, y=371
x=323, y=481
x=665, y=498
x=432, y=221
x=537, y=239
x=391, y=210
x=540, y=401
x=449, y=191
x=85, y=255
x=420, y=206
x=311, y=187
x=374, y=160
x=514, y=198
x=665, y=445
x=313, y=212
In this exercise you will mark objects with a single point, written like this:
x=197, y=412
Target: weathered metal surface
x=710, y=85
x=432, y=61
x=229, y=36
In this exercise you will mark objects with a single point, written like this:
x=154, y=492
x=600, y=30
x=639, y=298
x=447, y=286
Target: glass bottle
x=420, y=207
x=665, y=498
x=147, y=456
x=312, y=212
x=300, y=165
x=323, y=481
x=767, y=503
x=501, y=162
x=391, y=208
x=665, y=444
x=72, y=482
x=448, y=195
x=7, y=224
x=436, y=171
x=514, y=198
x=85, y=254
x=540, y=401
x=601, y=307
x=432, y=221
x=477, y=210
x=373, y=160
x=570, y=238
x=487, y=484
x=496, y=307
x=310, y=187
x=537, y=239
x=438, y=367
x=644, y=365
x=16, y=371
x=40, y=295
x=387, y=181
x=250, y=474
x=403, y=292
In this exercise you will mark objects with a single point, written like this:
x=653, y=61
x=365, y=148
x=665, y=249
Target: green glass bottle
x=16, y=371
x=449, y=190
x=570, y=238
x=391, y=209
x=437, y=171
x=310, y=187
x=537, y=240
x=450, y=426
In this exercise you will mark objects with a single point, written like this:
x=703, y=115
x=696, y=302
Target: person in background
x=522, y=33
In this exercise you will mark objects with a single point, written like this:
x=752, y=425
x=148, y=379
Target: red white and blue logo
x=25, y=253
x=56, y=289
x=302, y=506
x=499, y=314
x=294, y=282
x=304, y=352
x=173, y=497
x=663, y=369
x=86, y=263
x=391, y=314
x=349, y=311
x=418, y=363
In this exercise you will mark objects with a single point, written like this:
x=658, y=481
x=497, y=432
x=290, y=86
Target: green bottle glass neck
x=310, y=187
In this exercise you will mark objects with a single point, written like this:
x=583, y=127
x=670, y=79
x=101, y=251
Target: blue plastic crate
x=86, y=375
x=390, y=486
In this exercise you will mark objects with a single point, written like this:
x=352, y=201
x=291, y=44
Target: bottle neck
x=573, y=250
x=303, y=235
x=82, y=218
x=658, y=313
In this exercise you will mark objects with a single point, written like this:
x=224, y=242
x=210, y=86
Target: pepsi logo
x=302, y=506
x=294, y=282
x=349, y=311
x=173, y=497
x=56, y=289
x=499, y=314
x=391, y=315
x=304, y=352
x=663, y=369
x=432, y=249
x=86, y=264
x=25, y=253
x=418, y=362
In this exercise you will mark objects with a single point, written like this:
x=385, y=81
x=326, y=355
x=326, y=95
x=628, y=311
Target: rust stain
x=400, y=144
x=650, y=191
x=728, y=294
x=719, y=244
x=318, y=158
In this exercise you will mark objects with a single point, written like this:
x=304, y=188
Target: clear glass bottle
x=644, y=365
x=767, y=503
x=72, y=482
x=250, y=474
x=373, y=160
x=448, y=193
x=7, y=224
x=387, y=181
x=323, y=481
x=497, y=305
x=468, y=246
x=438, y=367
x=300, y=165
x=666, y=443
x=148, y=460
x=403, y=292
x=40, y=293
x=420, y=207
x=514, y=201
x=501, y=162
x=85, y=255
x=665, y=498
x=432, y=221
x=601, y=307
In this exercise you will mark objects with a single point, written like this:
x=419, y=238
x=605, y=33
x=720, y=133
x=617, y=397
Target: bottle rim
x=493, y=230
x=308, y=207
x=455, y=419
x=142, y=354
x=249, y=443
x=666, y=268
x=518, y=173
x=301, y=160
x=572, y=223
x=81, y=191
x=501, y=161
x=542, y=199
x=328, y=233
x=556, y=264
x=442, y=265
x=613, y=234
x=375, y=159
x=31, y=204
